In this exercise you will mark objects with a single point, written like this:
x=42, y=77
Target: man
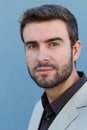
x=50, y=36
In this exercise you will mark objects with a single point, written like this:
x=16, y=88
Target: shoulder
x=80, y=123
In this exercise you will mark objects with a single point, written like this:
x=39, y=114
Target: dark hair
x=51, y=12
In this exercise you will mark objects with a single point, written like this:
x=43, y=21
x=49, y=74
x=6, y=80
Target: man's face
x=48, y=52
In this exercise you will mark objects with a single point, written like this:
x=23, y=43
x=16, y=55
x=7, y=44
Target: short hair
x=51, y=12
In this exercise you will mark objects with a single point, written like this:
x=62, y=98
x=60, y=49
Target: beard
x=60, y=76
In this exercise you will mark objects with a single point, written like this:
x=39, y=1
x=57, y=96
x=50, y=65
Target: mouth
x=44, y=70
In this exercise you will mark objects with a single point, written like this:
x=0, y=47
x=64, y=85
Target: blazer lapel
x=70, y=110
x=65, y=117
x=36, y=117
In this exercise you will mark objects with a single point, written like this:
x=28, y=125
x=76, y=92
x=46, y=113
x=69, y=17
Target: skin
x=48, y=42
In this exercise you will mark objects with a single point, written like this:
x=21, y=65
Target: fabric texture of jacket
x=73, y=116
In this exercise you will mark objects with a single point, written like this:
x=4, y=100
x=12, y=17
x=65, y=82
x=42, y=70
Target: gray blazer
x=73, y=116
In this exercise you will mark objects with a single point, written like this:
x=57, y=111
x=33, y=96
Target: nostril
x=43, y=58
x=43, y=55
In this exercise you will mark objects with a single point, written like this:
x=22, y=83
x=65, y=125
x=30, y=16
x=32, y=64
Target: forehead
x=45, y=30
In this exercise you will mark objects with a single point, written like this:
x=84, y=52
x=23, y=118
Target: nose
x=43, y=55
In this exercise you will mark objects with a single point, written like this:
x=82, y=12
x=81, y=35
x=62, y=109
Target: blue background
x=18, y=93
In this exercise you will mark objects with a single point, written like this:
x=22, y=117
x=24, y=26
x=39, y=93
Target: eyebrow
x=54, y=39
x=30, y=42
x=46, y=41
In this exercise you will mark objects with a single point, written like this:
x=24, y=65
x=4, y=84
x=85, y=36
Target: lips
x=44, y=70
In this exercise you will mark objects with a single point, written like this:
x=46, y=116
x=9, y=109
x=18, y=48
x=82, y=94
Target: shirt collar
x=59, y=103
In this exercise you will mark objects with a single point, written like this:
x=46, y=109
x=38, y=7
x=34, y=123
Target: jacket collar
x=71, y=110
x=65, y=117
x=36, y=117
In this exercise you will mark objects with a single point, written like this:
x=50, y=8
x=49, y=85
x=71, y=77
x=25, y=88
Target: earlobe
x=76, y=50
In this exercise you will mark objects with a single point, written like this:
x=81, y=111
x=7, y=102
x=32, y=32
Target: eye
x=32, y=46
x=52, y=44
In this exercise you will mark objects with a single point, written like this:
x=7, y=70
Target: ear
x=76, y=50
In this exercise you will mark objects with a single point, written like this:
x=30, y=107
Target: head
x=50, y=35
x=48, y=13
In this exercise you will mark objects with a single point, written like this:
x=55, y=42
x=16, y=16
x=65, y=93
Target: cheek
x=62, y=57
x=30, y=59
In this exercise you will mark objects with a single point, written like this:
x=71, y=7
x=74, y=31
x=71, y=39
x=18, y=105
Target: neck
x=57, y=91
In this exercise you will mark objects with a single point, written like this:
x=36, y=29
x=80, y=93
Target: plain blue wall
x=18, y=93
